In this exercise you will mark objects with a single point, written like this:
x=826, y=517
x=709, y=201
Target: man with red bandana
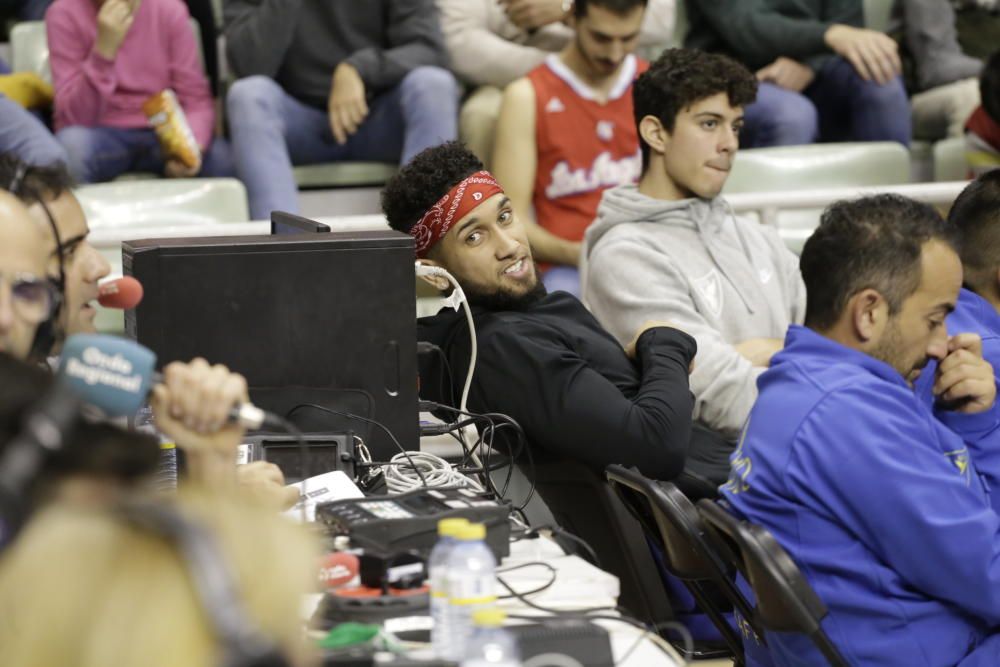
x=542, y=358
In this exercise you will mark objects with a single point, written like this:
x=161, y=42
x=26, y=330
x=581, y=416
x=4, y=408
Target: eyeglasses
x=32, y=297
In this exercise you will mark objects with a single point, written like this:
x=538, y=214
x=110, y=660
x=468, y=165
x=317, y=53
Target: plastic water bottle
x=471, y=575
x=166, y=472
x=490, y=645
x=437, y=570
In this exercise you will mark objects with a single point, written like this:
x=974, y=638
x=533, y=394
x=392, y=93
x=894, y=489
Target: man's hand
x=174, y=168
x=964, y=378
x=758, y=351
x=265, y=483
x=874, y=55
x=192, y=407
x=347, y=106
x=533, y=14
x=650, y=324
x=788, y=74
x=114, y=19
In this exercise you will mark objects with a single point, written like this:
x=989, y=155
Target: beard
x=499, y=300
x=889, y=350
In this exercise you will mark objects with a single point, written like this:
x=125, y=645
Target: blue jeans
x=562, y=279
x=98, y=154
x=271, y=131
x=837, y=106
x=22, y=133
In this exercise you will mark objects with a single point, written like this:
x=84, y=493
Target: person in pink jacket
x=107, y=58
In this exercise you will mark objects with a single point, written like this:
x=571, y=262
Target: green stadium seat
x=343, y=174
x=819, y=166
x=949, y=160
x=137, y=204
x=878, y=14
x=792, y=168
x=29, y=49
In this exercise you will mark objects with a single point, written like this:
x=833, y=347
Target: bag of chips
x=176, y=138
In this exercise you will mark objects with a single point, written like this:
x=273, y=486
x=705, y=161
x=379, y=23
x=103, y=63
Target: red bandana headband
x=455, y=205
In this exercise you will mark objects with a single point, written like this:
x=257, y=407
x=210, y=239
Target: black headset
x=47, y=332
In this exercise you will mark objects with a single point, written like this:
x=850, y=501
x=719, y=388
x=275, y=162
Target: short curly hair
x=427, y=178
x=681, y=77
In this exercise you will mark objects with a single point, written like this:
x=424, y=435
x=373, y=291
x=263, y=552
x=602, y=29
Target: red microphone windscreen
x=122, y=294
x=338, y=569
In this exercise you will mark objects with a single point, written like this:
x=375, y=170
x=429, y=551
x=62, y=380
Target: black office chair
x=671, y=522
x=785, y=600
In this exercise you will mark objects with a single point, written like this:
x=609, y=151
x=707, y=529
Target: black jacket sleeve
x=258, y=33
x=572, y=411
x=758, y=33
x=414, y=39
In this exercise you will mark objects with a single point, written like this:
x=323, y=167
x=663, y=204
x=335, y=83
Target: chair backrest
x=878, y=14
x=819, y=166
x=135, y=205
x=785, y=600
x=29, y=48
x=789, y=168
x=175, y=202
x=680, y=25
x=672, y=521
x=949, y=160
x=582, y=502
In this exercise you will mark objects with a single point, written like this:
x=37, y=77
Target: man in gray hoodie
x=671, y=248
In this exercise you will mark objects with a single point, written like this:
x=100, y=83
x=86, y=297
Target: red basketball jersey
x=584, y=146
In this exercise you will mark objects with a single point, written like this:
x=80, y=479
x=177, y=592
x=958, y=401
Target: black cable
x=549, y=610
x=570, y=536
x=447, y=366
x=655, y=628
x=586, y=613
x=457, y=426
x=534, y=591
x=366, y=420
x=521, y=438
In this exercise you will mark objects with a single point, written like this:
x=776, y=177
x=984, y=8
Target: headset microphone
x=121, y=293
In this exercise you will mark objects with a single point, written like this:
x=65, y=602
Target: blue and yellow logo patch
x=740, y=466
x=960, y=459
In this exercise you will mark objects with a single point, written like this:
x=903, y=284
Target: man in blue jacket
x=884, y=507
x=976, y=214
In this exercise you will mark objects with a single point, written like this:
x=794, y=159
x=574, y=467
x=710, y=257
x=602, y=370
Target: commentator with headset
x=193, y=400
x=117, y=573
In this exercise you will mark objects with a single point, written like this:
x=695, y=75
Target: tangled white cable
x=400, y=476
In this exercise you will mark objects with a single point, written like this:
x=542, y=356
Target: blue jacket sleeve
x=900, y=482
x=981, y=433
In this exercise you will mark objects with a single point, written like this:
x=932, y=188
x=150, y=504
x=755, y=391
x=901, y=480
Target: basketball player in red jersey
x=566, y=133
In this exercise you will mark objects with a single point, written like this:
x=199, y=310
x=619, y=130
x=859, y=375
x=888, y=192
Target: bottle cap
x=489, y=618
x=471, y=532
x=450, y=527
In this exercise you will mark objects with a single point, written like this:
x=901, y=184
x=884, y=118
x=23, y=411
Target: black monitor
x=327, y=319
x=289, y=223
